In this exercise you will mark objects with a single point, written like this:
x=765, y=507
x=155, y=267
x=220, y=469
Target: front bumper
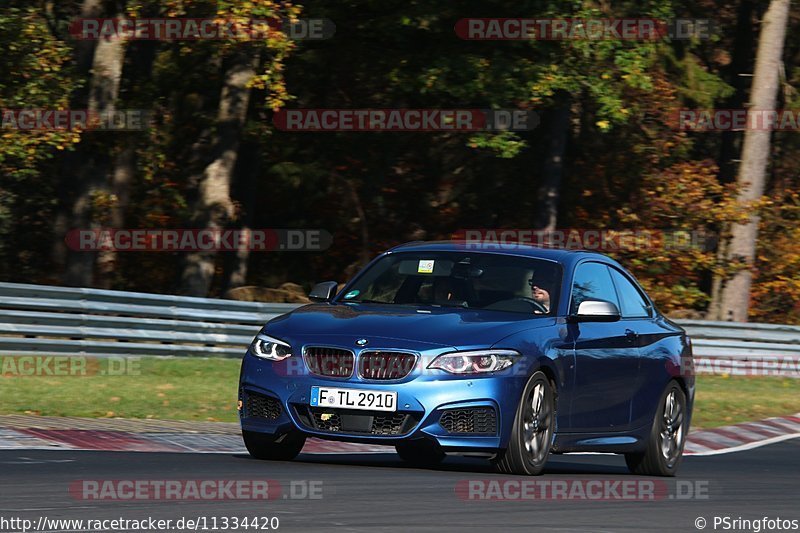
x=423, y=398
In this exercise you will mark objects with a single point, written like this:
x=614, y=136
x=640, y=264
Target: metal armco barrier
x=744, y=349
x=48, y=320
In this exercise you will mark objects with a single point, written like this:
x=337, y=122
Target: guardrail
x=41, y=319
x=744, y=348
x=48, y=320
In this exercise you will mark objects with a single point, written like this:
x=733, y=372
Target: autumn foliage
x=623, y=166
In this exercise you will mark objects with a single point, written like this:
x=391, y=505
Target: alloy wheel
x=536, y=424
x=672, y=433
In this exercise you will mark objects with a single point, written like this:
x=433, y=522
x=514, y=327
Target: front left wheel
x=267, y=447
x=532, y=432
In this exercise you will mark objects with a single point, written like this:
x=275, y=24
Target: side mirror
x=596, y=311
x=323, y=292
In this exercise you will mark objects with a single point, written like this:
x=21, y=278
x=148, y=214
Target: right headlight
x=475, y=362
x=270, y=348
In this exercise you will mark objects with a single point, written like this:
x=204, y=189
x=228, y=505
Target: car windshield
x=467, y=280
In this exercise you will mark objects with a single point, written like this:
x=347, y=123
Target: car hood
x=416, y=328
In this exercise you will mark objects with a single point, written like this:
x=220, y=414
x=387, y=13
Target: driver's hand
x=542, y=297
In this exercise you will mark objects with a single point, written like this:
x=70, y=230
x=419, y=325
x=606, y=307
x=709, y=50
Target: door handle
x=631, y=335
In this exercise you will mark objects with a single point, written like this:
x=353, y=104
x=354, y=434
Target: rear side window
x=633, y=304
x=592, y=282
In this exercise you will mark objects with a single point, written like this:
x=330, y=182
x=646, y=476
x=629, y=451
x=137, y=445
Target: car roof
x=563, y=256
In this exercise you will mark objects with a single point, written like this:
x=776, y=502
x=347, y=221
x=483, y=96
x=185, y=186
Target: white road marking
x=29, y=461
x=749, y=445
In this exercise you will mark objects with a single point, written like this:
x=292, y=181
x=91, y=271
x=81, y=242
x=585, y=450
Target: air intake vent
x=259, y=406
x=475, y=420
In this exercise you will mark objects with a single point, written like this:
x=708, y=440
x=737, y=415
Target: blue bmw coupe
x=511, y=353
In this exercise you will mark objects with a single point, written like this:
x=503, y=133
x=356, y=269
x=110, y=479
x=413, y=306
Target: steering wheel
x=537, y=306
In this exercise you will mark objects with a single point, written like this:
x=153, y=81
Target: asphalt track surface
x=377, y=492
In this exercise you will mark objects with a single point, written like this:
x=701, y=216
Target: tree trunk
x=121, y=180
x=735, y=301
x=546, y=216
x=730, y=141
x=123, y=173
x=84, y=54
x=214, y=208
x=244, y=192
x=92, y=177
x=361, y=219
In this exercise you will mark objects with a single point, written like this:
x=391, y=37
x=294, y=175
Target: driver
x=442, y=290
x=447, y=291
x=541, y=296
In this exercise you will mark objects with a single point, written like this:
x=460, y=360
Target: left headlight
x=475, y=362
x=267, y=347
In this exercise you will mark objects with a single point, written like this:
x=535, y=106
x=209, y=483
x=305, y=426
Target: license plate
x=365, y=400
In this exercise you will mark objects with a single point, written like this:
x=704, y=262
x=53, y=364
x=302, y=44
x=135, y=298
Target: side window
x=633, y=303
x=592, y=282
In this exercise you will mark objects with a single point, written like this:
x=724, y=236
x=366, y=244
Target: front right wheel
x=532, y=432
x=667, y=437
x=422, y=453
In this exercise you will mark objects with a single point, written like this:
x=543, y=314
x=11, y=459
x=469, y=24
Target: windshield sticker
x=351, y=294
x=425, y=266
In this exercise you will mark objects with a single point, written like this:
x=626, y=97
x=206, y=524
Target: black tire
x=532, y=432
x=271, y=448
x=667, y=437
x=420, y=453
